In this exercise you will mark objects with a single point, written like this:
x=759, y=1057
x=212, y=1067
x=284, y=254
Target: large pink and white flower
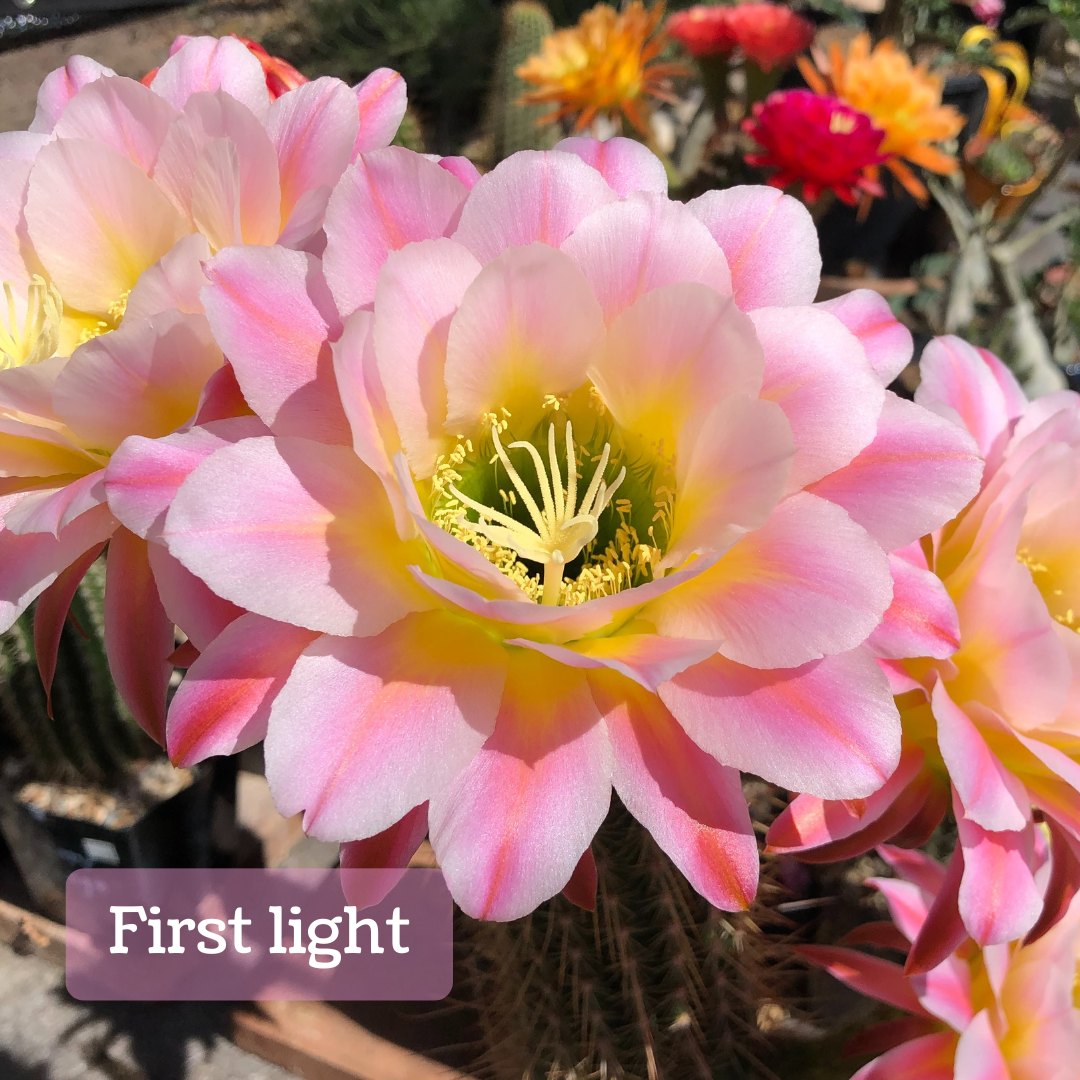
x=543, y=513
x=992, y=728
x=109, y=204
x=1002, y=1012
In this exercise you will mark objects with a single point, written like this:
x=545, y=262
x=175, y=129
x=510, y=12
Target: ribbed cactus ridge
x=655, y=985
x=511, y=126
x=90, y=738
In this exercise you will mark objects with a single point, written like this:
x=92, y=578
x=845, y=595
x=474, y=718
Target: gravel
x=47, y=1035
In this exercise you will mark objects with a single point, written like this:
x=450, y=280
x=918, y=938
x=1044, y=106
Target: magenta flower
x=539, y=516
x=817, y=141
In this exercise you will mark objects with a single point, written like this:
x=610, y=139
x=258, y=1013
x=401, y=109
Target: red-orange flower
x=703, y=30
x=818, y=141
x=281, y=76
x=768, y=34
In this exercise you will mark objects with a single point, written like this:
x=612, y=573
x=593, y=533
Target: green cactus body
x=90, y=737
x=511, y=126
x=654, y=984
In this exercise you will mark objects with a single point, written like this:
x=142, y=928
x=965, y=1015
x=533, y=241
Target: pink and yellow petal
x=122, y=114
x=998, y=899
x=387, y=199
x=731, y=477
x=144, y=474
x=817, y=372
x=143, y=379
x=419, y=290
x=381, y=101
x=641, y=242
x=270, y=312
x=770, y=242
x=671, y=357
x=223, y=704
x=918, y=473
x=60, y=86
x=313, y=129
x=828, y=728
x=691, y=804
x=201, y=614
x=922, y=619
x=333, y=746
x=809, y=822
x=297, y=531
x=208, y=64
x=504, y=832
x=978, y=1055
x=626, y=164
x=528, y=327
x=97, y=221
x=961, y=378
x=30, y=564
x=534, y=195
x=786, y=575
x=991, y=796
x=886, y=340
x=138, y=633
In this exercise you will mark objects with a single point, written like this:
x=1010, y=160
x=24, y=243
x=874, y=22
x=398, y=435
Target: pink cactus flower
x=1002, y=1012
x=281, y=76
x=991, y=727
x=539, y=517
x=108, y=207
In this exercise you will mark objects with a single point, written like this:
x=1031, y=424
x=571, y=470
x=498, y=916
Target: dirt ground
x=130, y=47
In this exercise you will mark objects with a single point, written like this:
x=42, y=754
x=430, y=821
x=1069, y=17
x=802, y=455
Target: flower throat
x=555, y=526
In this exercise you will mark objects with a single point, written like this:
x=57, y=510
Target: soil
x=154, y=782
x=130, y=46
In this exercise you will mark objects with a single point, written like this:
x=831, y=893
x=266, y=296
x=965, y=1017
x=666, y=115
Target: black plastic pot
x=46, y=847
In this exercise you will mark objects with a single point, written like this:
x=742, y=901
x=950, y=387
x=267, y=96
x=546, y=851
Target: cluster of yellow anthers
x=113, y=318
x=39, y=336
x=562, y=526
x=1042, y=576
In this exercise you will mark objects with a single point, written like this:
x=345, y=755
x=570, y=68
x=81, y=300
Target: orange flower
x=602, y=66
x=903, y=100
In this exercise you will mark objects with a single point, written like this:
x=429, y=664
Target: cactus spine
x=655, y=984
x=511, y=126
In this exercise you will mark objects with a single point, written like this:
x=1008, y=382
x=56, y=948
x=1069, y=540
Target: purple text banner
x=241, y=935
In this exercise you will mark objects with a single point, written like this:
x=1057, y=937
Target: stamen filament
x=563, y=528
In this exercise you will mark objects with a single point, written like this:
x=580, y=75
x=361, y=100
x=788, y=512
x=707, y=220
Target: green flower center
x=569, y=519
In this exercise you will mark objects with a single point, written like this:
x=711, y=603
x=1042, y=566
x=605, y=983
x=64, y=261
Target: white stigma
x=563, y=527
x=39, y=337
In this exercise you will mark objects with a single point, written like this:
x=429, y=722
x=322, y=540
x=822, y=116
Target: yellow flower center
x=39, y=336
x=1047, y=583
x=562, y=527
x=113, y=317
x=540, y=531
